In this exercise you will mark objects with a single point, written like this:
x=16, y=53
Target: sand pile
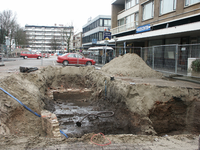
x=130, y=65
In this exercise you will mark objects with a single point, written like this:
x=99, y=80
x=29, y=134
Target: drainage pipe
x=28, y=108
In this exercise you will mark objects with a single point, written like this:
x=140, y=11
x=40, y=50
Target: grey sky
x=50, y=12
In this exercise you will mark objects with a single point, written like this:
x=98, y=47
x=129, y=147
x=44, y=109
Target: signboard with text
x=94, y=41
x=143, y=28
x=107, y=35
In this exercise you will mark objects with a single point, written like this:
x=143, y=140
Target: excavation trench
x=78, y=116
x=71, y=93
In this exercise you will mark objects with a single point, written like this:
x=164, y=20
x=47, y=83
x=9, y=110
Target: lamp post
x=115, y=45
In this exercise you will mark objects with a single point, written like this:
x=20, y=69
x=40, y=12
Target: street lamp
x=115, y=45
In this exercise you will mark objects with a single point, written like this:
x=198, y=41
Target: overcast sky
x=51, y=12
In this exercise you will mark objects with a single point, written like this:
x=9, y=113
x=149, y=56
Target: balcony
x=124, y=28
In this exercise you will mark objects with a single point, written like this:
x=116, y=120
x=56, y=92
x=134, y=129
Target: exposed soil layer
x=140, y=107
x=175, y=117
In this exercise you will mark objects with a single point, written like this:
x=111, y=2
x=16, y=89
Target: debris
x=27, y=70
x=132, y=83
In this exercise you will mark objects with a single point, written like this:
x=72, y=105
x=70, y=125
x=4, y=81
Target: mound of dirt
x=130, y=65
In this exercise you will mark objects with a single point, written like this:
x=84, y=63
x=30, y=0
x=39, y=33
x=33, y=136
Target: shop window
x=155, y=42
x=148, y=10
x=167, y=6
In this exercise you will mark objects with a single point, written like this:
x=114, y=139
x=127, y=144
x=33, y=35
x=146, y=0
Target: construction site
x=123, y=105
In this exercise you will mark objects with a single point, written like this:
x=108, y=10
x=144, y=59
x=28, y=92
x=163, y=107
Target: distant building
x=93, y=31
x=77, y=41
x=41, y=37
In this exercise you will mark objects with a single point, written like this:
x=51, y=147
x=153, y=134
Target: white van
x=101, y=54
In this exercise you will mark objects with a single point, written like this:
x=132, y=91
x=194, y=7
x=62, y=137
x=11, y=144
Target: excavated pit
x=141, y=106
x=172, y=117
x=77, y=115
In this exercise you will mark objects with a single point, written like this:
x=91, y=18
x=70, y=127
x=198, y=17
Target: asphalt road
x=13, y=64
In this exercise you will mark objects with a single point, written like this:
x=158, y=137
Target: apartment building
x=45, y=38
x=144, y=23
x=93, y=30
x=77, y=41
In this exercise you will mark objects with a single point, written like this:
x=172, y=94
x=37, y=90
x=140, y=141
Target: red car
x=74, y=58
x=46, y=55
x=28, y=54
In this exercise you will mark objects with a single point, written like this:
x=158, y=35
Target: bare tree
x=20, y=36
x=67, y=35
x=55, y=43
x=8, y=24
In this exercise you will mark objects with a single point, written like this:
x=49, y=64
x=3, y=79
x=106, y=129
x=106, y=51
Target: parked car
x=46, y=55
x=74, y=58
x=28, y=54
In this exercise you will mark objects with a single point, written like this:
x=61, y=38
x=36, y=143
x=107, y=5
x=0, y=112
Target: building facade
x=77, y=41
x=93, y=31
x=47, y=38
x=143, y=23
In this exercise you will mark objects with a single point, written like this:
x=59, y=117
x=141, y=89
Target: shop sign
x=143, y=28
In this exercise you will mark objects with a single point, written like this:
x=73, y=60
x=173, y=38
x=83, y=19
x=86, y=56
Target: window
x=131, y=3
x=128, y=4
x=130, y=21
x=148, y=10
x=136, y=19
x=167, y=6
x=121, y=22
x=71, y=55
x=100, y=36
x=101, y=22
x=107, y=22
x=78, y=56
x=190, y=2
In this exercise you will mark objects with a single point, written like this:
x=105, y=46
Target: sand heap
x=130, y=65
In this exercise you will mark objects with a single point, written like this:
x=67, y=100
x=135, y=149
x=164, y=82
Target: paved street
x=13, y=64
